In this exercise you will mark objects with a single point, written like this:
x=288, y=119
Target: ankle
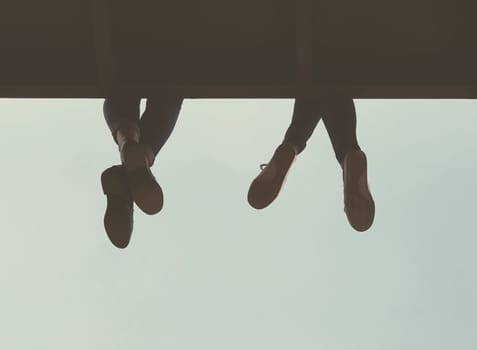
x=127, y=132
x=149, y=155
x=351, y=153
x=291, y=146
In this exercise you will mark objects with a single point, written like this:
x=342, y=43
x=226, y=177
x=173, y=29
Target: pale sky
x=209, y=272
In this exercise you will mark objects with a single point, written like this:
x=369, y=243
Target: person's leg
x=158, y=121
x=304, y=120
x=156, y=125
x=339, y=117
x=267, y=185
x=122, y=116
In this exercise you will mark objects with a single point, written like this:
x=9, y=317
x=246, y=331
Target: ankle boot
x=267, y=185
x=358, y=202
x=118, y=218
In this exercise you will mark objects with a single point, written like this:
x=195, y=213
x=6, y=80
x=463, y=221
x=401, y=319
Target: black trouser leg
x=339, y=117
x=158, y=121
x=118, y=110
x=304, y=120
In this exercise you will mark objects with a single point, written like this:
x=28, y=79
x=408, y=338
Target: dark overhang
x=239, y=48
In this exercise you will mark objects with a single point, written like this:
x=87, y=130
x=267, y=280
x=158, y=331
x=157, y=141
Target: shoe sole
x=359, y=203
x=146, y=192
x=263, y=191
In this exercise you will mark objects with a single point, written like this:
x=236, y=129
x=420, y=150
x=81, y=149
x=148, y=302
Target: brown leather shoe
x=145, y=191
x=267, y=185
x=358, y=201
x=118, y=218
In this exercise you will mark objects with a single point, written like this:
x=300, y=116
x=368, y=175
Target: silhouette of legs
x=158, y=121
x=139, y=140
x=339, y=117
x=122, y=116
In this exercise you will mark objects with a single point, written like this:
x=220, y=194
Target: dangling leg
x=156, y=126
x=267, y=185
x=306, y=115
x=339, y=117
x=122, y=116
x=158, y=121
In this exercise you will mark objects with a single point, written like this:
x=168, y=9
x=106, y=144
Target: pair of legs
x=153, y=128
x=139, y=139
x=339, y=117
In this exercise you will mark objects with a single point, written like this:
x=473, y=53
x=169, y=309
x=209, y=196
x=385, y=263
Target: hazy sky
x=211, y=273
